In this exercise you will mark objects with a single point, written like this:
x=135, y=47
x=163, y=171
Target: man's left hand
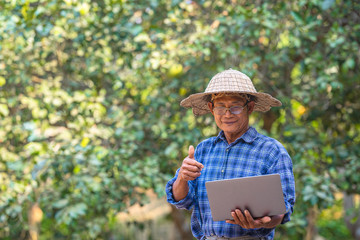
x=245, y=220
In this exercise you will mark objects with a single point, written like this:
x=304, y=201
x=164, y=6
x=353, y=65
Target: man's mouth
x=229, y=122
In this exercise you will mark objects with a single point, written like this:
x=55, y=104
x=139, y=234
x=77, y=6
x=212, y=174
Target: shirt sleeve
x=188, y=201
x=283, y=165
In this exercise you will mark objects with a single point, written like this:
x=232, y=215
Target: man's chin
x=230, y=131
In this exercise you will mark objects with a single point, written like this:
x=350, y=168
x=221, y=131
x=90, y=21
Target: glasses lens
x=236, y=109
x=220, y=110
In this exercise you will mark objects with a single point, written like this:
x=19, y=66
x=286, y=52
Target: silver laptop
x=261, y=195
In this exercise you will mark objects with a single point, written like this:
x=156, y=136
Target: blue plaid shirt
x=251, y=154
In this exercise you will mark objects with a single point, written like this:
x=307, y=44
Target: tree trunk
x=35, y=215
x=180, y=222
x=311, y=230
x=269, y=118
x=352, y=219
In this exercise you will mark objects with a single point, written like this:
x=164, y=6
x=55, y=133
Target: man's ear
x=210, y=105
x=251, y=106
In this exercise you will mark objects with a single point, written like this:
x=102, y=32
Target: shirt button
x=222, y=170
x=227, y=149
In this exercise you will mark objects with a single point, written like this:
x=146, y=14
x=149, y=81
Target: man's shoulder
x=266, y=138
x=268, y=141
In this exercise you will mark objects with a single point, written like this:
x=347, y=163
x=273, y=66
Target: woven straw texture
x=229, y=81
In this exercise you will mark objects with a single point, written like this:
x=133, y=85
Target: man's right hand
x=190, y=168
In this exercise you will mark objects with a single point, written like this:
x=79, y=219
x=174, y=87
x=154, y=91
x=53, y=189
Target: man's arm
x=180, y=189
x=283, y=166
x=189, y=170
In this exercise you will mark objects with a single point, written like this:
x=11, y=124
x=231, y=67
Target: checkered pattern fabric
x=252, y=154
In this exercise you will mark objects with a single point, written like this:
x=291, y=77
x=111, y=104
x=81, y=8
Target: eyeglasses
x=233, y=109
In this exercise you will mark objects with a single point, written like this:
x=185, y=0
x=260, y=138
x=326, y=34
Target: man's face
x=232, y=123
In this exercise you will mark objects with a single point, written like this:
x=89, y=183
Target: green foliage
x=331, y=224
x=90, y=91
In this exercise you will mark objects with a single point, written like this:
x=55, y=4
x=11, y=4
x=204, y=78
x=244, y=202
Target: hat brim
x=199, y=102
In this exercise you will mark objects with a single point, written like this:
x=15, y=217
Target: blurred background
x=90, y=123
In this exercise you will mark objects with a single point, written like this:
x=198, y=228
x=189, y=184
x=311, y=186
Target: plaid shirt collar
x=249, y=136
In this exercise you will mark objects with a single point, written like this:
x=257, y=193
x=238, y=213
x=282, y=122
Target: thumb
x=191, y=151
x=265, y=219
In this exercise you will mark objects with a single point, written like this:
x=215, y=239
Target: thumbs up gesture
x=190, y=168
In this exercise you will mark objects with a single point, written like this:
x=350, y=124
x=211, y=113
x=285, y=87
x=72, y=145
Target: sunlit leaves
x=2, y=81
x=90, y=92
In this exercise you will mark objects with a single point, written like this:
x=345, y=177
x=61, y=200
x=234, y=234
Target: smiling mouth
x=229, y=122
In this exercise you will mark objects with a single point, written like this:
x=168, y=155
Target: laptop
x=261, y=195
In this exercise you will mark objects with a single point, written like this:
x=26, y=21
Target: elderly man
x=238, y=151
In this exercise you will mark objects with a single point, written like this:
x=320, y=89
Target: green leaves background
x=90, y=92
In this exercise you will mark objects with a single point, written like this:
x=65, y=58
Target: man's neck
x=231, y=137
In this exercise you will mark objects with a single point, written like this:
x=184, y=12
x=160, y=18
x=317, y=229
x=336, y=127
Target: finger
x=187, y=178
x=191, y=168
x=242, y=218
x=265, y=219
x=191, y=175
x=236, y=219
x=191, y=151
x=250, y=219
x=262, y=222
x=193, y=162
x=230, y=221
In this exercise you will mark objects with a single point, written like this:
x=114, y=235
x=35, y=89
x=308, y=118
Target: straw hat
x=229, y=81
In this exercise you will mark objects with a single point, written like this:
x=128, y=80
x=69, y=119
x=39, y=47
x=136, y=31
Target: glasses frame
x=229, y=109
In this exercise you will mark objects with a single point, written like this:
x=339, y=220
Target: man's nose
x=228, y=113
